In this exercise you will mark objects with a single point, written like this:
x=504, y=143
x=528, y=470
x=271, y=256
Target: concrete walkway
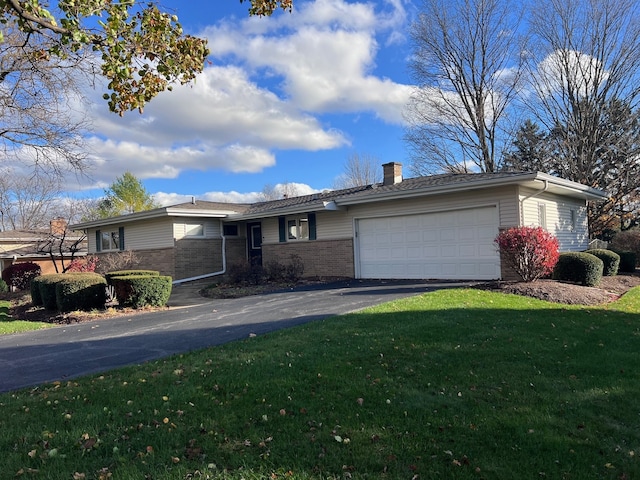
x=192, y=322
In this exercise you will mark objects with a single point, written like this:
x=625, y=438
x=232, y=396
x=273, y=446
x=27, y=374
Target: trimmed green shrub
x=36, y=298
x=47, y=290
x=579, y=267
x=627, y=262
x=129, y=273
x=610, y=259
x=4, y=288
x=82, y=291
x=142, y=290
x=19, y=275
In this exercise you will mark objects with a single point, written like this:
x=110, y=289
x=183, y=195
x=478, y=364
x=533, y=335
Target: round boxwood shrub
x=129, y=273
x=142, y=290
x=610, y=259
x=81, y=291
x=579, y=267
x=4, y=288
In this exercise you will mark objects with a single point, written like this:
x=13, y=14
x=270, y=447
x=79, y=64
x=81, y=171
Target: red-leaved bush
x=531, y=252
x=87, y=264
x=19, y=275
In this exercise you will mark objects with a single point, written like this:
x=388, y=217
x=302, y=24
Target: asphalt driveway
x=32, y=358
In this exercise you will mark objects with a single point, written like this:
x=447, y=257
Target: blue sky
x=285, y=99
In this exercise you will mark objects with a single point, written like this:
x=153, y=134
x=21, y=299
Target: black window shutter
x=311, y=218
x=98, y=241
x=121, y=238
x=282, y=228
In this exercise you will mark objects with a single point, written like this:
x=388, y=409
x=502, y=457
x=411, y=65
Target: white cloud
x=166, y=199
x=270, y=85
x=325, y=63
x=564, y=68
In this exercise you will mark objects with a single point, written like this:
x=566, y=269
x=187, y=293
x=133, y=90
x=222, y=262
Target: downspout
x=534, y=194
x=208, y=275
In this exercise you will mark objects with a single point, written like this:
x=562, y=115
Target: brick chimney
x=392, y=173
x=57, y=226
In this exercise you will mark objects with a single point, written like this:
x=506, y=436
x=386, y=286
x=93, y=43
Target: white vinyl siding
x=143, y=235
x=336, y=225
x=212, y=227
x=573, y=235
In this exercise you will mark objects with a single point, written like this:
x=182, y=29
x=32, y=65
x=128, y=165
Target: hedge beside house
x=129, y=273
x=85, y=291
x=138, y=291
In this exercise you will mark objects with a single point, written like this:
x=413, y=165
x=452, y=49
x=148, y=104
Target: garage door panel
x=445, y=245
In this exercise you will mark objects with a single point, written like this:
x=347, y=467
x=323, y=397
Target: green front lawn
x=450, y=384
x=9, y=325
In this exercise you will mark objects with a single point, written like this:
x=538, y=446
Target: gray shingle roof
x=378, y=189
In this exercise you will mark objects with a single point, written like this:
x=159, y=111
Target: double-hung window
x=298, y=228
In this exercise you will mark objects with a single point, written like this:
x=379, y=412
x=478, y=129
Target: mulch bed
x=609, y=289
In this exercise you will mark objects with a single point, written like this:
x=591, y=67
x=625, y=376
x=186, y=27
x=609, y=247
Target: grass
x=9, y=325
x=463, y=384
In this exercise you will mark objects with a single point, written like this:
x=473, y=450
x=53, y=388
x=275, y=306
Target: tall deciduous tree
x=41, y=119
x=584, y=68
x=360, y=170
x=125, y=195
x=613, y=166
x=27, y=202
x=467, y=68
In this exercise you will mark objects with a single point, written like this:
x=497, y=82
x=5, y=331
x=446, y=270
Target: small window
x=542, y=215
x=298, y=228
x=110, y=241
x=230, y=230
x=573, y=220
x=194, y=230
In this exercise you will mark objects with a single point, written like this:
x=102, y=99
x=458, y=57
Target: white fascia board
x=584, y=191
x=165, y=212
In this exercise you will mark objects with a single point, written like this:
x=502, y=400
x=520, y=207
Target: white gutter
x=534, y=194
x=208, y=275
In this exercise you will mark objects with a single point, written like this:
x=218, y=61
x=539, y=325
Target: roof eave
x=151, y=214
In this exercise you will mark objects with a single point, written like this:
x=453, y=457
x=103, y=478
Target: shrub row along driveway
x=60, y=353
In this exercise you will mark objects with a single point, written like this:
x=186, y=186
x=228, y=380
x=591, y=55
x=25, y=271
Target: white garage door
x=446, y=245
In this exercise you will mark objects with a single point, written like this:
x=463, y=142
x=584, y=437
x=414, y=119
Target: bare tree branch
x=467, y=67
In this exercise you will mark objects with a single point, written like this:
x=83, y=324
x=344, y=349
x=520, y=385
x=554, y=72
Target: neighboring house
x=33, y=246
x=433, y=227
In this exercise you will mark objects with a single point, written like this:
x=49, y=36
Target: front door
x=254, y=241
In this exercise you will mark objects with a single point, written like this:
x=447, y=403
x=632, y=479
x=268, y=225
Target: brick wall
x=161, y=259
x=195, y=257
x=236, y=250
x=321, y=258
